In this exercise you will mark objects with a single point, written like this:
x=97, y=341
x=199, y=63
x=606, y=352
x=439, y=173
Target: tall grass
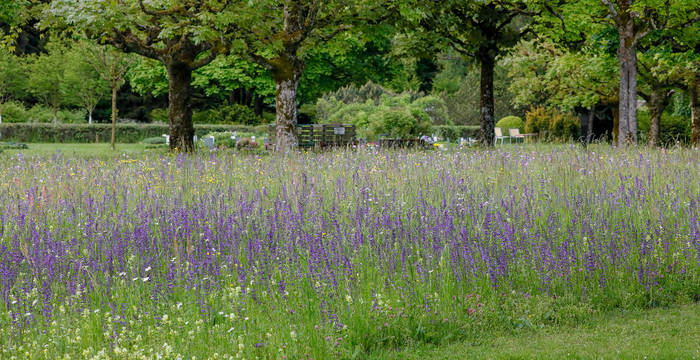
x=335, y=254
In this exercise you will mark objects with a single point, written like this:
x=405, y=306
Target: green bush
x=85, y=133
x=672, y=128
x=13, y=112
x=159, y=115
x=156, y=140
x=400, y=123
x=375, y=111
x=510, y=122
x=13, y=146
x=354, y=94
x=435, y=108
x=552, y=124
x=230, y=114
x=42, y=114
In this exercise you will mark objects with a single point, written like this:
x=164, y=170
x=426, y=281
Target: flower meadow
x=335, y=254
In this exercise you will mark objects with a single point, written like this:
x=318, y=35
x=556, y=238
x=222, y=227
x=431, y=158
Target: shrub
x=454, y=132
x=354, y=94
x=565, y=126
x=156, y=140
x=13, y=112
x=159, y=115
x=308, y=110
x=42, y=114
x=552, y=124
x=85, y=133
x=672, y=128
x=374, y=111
x=230, y=114
x=435, y=108
x=510, y=122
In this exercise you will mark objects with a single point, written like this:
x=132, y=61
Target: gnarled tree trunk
x=287, y=74
x=627, y=56
x=179, y=107
x=488, y=64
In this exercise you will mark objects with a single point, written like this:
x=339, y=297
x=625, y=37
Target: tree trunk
x=258, y=105
x=589, y=126
x=0, y=113
x=180, y=108
x=694, y=92
x=627, y=56
x=287, y=78
x=90, y=116
x=658, y=100
x=488, y=63
x=114, y=115
x=55, y=116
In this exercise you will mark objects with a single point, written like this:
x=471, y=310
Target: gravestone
x=209, y=142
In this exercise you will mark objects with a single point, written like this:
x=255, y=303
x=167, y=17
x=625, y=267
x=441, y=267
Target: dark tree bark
x=589, y=126
x=180, y=108
x=487, y=107
x=258, y=105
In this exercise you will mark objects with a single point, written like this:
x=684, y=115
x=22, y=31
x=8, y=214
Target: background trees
x=184, y=35
x=12, y=77
x=241, y=61
x=478, y=29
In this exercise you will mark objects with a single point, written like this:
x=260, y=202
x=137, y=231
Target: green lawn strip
x=100, y=149
x=672, y=333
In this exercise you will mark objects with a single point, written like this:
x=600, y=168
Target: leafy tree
x=632, y=20
x=82, y=84
x=478, y=29
x=279, y=36
x=458, y=84
x=111, y=65
x=544, y=74
x=227, y=77
x=12, y=78
x=183, y=35
x=46, y=75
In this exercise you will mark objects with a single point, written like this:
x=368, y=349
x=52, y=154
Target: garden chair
x=499, y=135
x=515, y=134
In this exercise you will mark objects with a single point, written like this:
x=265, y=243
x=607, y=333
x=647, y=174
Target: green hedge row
x=454, y=132
x=85, y=133
x=133, y=133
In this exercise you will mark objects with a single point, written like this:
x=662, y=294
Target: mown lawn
x=102, y=149
x=662, y=333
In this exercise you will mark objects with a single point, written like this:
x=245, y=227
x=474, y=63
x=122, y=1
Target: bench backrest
x=498, y=131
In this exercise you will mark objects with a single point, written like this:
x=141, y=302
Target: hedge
x=454, y=132
x=86, y=133
x=133, y=133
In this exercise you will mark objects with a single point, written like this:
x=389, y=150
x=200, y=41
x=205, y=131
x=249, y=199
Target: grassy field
x=82, y=150
x=668, y=333
x=517, y=252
